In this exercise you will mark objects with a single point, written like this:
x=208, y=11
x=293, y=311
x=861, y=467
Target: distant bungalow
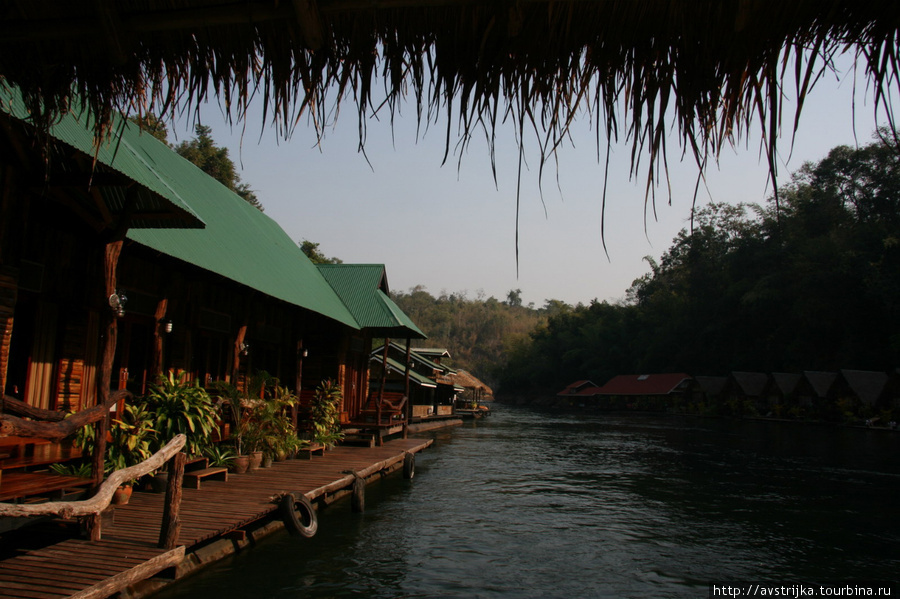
x=871, y=397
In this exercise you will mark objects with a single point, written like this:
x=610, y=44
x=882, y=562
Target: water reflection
x=539, y=504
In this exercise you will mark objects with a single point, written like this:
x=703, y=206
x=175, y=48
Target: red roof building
x=646, y=384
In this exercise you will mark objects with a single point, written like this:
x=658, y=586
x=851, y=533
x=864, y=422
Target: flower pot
x=266, y=461
x=122, y=495
x=255, y=460
x=240, y=464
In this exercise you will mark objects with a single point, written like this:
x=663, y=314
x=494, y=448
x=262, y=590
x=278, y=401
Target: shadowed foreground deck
x=78, y=568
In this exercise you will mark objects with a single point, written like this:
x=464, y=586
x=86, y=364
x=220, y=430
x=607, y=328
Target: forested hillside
x=812, y=283
x=475, y=331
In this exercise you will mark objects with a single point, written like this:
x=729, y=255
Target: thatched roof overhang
x=707, y=69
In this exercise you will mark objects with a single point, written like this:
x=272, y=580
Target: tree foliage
x=811, y=285
x=215, y=162
x=315, y=255
x=478, y=332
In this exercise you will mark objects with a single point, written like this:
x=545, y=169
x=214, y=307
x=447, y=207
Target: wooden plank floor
x=218, y=507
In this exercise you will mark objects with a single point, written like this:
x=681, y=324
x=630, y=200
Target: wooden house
x=432, y=390
x=654, y=392
x=748, y=392
x=227, y=294
x=578, y=388
x=815, y=392
x=866, y=389
x=783, y=392
x=363, y=288
x=707, y=392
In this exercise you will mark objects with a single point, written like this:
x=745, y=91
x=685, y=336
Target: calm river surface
x=529, y=503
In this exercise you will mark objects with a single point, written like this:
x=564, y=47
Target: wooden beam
x=121, y=581
x=56, y=431
x=18, y=407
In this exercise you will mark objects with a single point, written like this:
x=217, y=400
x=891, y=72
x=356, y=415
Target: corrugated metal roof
x=644, y=384
x=126, y=153
x=239, y=242
x=360, y=288
x=419, y=379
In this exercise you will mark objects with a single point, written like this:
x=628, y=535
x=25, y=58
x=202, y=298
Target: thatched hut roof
x=708, y=69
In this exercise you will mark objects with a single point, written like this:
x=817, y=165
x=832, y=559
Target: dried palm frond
x=710, y=70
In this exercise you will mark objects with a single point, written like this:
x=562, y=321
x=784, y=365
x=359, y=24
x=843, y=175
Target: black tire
x=299, y=516
x=409, y=466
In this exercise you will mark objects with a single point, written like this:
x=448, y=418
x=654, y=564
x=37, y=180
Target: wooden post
x=406, y=387
x=298, y=384
x=171, y=521
x=384, y=369
x=236, y=363
x=111, y=254
x=159, y=334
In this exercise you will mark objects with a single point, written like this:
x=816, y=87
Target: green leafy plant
x=133, y=438
x=325, y=413
x=182, y=407
x=219, y=455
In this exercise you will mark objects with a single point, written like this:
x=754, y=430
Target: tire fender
x=299, y=516
x=409, y=465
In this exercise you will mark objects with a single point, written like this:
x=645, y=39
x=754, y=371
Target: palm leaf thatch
x=709, y=70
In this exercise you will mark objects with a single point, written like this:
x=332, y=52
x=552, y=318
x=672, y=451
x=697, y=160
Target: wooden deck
x=82, y=569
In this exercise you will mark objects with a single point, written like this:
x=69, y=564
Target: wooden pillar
x=298, y=384
x=109, y=328
x=406, y=387
x=384, y=369
x=236, y=362
x=159, y=335
x=171, y=520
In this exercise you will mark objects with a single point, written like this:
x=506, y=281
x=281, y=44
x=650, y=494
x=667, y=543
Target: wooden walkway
x=78, y=568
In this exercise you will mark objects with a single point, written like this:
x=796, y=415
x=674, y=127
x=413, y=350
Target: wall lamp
x=117, y=302
x=167, y=325
x=245, y=349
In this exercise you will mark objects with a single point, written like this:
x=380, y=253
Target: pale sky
x=454, y=230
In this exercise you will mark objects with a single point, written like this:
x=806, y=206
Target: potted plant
x=232, y=400
x=184, y=407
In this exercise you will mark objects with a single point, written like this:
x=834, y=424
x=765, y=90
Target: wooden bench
x=386, y=410
x=192, y=478
x=50, y=453
x=16, y=485
x=306, y=453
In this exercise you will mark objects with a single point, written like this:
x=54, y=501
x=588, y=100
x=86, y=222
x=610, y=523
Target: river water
x=530, y=503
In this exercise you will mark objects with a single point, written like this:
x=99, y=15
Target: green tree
x=215, y=162
x=152, y=124
x=311, y=249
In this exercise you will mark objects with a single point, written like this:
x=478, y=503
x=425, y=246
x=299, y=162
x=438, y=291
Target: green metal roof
x=125, y=152
x=414, y=355
x=239, y=242
x=362, y=289
x=419, y=379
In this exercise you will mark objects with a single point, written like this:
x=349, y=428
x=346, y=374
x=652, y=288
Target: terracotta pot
x=266, y=461
x=122, y=495
x=255, y=460
x=240, y=464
